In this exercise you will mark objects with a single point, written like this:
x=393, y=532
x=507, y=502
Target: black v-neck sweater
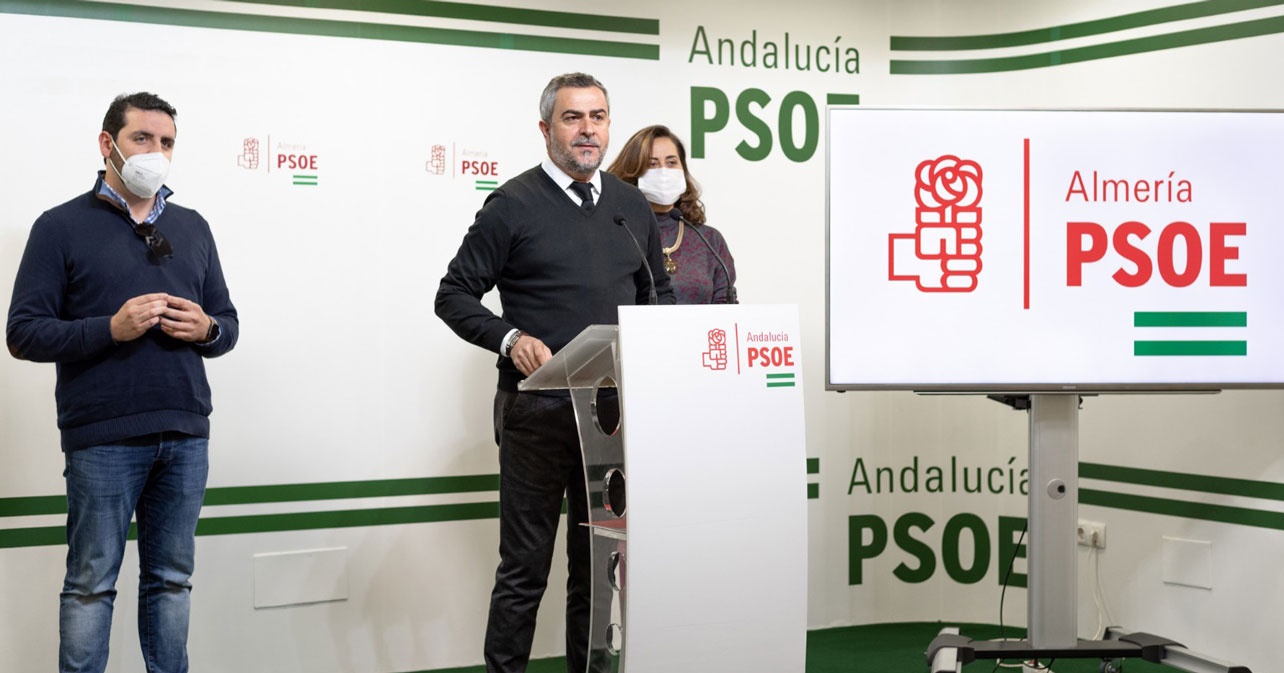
x=558, y=267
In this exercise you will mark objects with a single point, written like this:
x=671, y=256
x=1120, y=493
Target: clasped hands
x=178, y=317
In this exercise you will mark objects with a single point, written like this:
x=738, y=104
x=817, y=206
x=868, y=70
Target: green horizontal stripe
x=813, y=491
x=842, y=99
x=1187, y=38
x=780, y=384
x=472, y=12
x=1193, y=10
x=1190, y=510
x=780, y=376
x=45, y=536
x=305, y=177
x=312, y=184
x=1190, y=348
x=813, y=466
x=482, y=188
x=34, y=505
x=336, y=490
x=1190, y=319
x=82, y=9
x=269, y=523
x=1187, y=482
x=249, y=495
x=487, y=182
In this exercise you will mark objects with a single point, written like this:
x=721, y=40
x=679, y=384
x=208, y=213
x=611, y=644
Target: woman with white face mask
x=695, y=255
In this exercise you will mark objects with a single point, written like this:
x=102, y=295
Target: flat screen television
x=1054, y=250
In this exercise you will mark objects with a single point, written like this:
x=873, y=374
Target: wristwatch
x=507, y=348
x=212, y=334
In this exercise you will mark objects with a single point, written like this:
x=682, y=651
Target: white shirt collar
x=561, y=179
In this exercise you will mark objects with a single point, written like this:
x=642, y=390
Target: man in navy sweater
x=555, y=241
x=123, y=290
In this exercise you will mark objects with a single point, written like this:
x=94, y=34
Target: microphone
x=619, y=219
x=731, y=289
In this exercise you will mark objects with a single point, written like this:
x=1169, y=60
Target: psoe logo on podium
x=766, y=355
x=944, y=252
x=716, y=357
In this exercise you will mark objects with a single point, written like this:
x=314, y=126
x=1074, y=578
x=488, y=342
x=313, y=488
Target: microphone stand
x=619, y=219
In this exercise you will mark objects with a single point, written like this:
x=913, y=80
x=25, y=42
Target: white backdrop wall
x=344, y=375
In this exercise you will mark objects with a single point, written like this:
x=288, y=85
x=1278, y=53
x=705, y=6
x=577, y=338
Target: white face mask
x=663, y=186
x=143, y=174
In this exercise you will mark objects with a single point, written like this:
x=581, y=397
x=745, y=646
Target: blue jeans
x=161, y=478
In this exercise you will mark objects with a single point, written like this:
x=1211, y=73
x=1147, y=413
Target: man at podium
x=566, y=244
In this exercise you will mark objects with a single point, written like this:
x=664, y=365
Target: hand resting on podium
x=529, y=353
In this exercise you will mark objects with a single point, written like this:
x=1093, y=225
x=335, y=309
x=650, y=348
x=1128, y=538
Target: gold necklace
x=671, y=266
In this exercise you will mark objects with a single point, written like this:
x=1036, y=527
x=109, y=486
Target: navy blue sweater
x=82, y=262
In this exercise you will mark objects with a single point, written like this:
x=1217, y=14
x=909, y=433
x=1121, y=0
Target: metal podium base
x=586, y=366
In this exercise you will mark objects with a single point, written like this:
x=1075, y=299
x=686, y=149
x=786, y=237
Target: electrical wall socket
x=1086, y=531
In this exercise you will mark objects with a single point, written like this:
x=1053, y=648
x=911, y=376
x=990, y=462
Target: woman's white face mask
x=663, y=186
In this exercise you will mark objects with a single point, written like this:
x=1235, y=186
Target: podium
x=697, y=497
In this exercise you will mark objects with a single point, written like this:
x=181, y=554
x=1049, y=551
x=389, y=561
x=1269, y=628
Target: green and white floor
x=881, y=648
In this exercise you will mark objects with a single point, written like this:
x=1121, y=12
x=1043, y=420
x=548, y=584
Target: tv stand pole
x=1052, y=561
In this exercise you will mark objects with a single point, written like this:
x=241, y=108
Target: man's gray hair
x=575, y=80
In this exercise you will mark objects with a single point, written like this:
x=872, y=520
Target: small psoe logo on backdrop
x=436, y=164
x=716, y=357
x=475, y=166
x=293, y=160
x=944, y=252
x=249, y=157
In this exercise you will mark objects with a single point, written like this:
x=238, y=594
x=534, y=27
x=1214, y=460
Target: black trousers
x=539, y=461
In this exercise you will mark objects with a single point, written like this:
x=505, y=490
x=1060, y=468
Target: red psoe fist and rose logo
x=716, y=357
x=944, y=252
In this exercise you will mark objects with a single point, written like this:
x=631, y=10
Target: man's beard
x=567, y=157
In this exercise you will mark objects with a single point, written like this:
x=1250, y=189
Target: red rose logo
x=947, y=231
x=948, y=191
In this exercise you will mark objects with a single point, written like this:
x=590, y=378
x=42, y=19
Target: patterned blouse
x=699, y=278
